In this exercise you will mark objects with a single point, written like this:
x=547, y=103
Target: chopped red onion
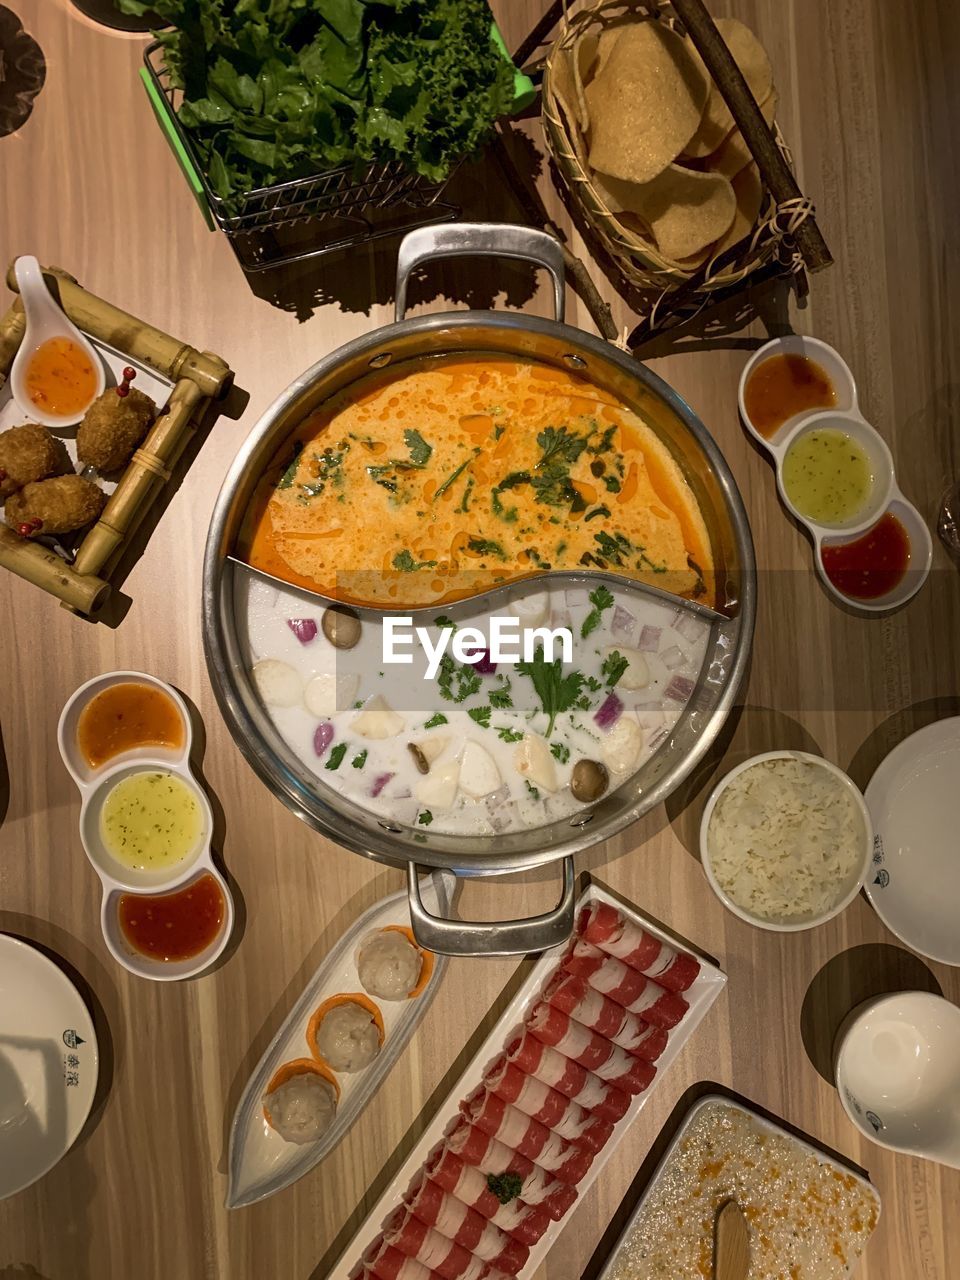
x=688, y=625
x=480, y=661
x=305, y=629
x=680, y=689
x=649, y=641
x=322, y=737
x=379, y=782
x=623, y=624
x=673, y=658
x=609, y=713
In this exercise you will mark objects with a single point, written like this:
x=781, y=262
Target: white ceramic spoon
x=46, y=320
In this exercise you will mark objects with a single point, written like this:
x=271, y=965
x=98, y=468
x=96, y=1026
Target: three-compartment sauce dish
x=146, y=825
x=835, y=473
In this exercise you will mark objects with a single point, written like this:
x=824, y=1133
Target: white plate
x=914, y=801
x=709, y=983
x=48, y=1064
x=261, y=1162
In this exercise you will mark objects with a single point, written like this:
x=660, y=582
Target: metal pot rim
x=321, y=816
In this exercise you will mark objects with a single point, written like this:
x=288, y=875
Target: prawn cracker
x=752, y=59
x=584, y=53
x=645, y=104
x=686, y=210
x=733, y=154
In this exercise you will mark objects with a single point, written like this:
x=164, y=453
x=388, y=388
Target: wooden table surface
x=869, y=101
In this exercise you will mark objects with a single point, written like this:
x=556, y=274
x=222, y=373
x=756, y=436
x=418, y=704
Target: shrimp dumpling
x=348, y=1038
x=389, y=965
x=302, y=1108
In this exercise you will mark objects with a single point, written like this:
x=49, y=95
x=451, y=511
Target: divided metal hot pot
x=561, y=346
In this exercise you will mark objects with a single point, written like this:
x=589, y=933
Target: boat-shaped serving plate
x=706, y=988
x=260, y=1161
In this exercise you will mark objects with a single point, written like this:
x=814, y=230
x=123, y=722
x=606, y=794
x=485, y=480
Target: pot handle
x=483, y=240
x=495, y=938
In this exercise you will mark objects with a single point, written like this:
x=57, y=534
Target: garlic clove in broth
x=328, y=693
x=532, y=610
x=438, y=789
x=278, y=684
x=433, y=747
x=637, y=673
x=533, y=761
x=377, y=720
x=622, y=744
x=479, y=775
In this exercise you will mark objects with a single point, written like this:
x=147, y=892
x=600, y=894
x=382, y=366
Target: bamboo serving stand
x=198, y=377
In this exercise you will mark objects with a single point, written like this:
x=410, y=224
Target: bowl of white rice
x=786, y=841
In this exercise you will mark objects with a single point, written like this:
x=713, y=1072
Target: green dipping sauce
x=151, y=821
x=827, y=476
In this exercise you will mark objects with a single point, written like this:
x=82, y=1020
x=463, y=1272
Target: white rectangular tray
x=708, y=1100
x=701, y=995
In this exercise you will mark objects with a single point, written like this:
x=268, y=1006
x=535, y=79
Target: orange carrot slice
x=313, y=1026
x=297, y=1067
x=427, y=962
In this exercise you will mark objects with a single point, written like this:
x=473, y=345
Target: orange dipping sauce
x=173, y=926
x=782, y=386
x=60, y=377
x=124, y=716
x=873, y=564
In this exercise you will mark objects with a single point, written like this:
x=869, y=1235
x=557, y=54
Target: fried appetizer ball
x=30, y=453
x=55, y=506
x=113, y=427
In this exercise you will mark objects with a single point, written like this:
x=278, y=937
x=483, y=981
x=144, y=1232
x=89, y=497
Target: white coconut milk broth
x=491, y=771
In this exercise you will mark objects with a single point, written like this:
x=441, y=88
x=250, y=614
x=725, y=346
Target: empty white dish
x=897, y=1068
x=914, y=802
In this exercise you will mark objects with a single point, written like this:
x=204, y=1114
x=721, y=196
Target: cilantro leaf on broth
x=424, y=818
x=531, y=789
x=500, y=697
x=457, y=682
x=613, y=667
x=436, y=719
x=559, y=443
x=601, y=599
x=420, y=451
x=557, y=692
x=360, y=759
x=290, y=471
x=486, y=547
x=405, y=562
x=336, y=756
x=454, y=476
x=507, y=734
x=481, y=715
x=560, y=752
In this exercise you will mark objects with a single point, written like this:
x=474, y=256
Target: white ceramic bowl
x=897, y=1068
x=848, y=891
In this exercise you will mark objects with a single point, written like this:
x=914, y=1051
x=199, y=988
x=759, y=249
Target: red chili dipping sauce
x=872, y=565
x=782, y=386
x=173, y=926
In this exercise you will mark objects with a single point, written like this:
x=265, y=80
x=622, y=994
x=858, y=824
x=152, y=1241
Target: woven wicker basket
x=636, y=256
